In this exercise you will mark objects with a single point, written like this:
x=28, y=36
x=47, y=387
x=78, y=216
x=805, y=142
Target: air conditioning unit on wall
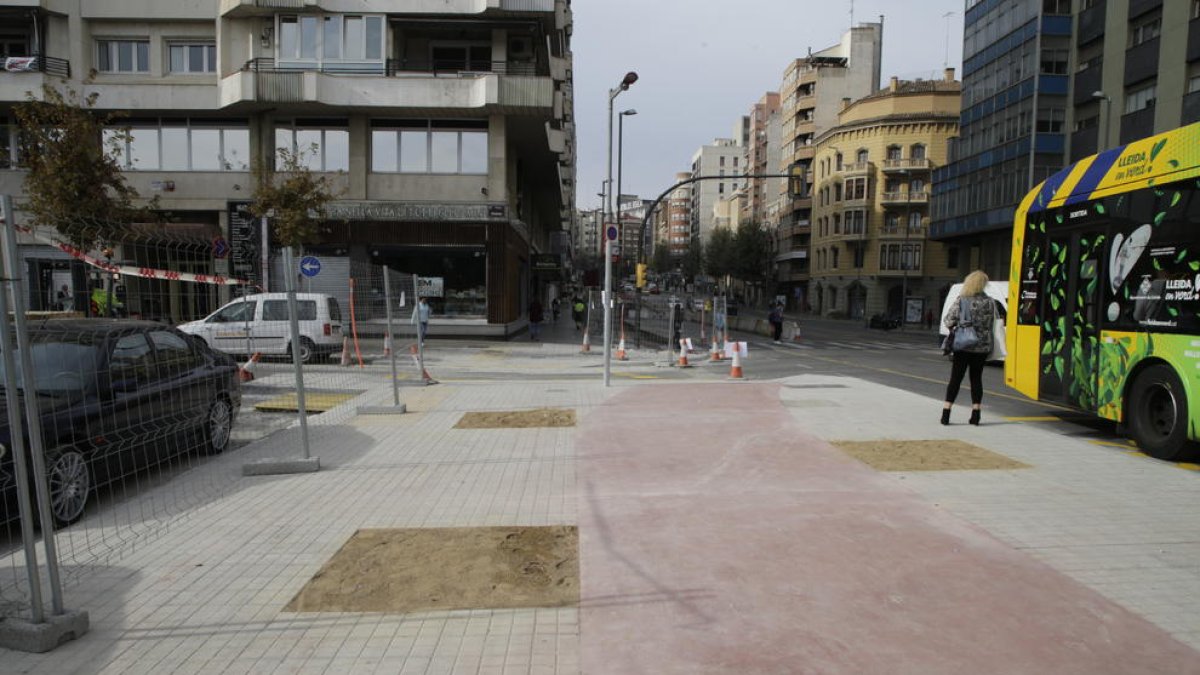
x=520, y=48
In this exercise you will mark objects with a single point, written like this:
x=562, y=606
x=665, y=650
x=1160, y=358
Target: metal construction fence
x=129, y=389
x=658, y=322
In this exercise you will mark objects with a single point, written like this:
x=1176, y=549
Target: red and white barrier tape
x=130, y=270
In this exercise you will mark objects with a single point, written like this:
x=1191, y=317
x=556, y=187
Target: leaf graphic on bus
x=1047, y=326
x=1158, y=192
x=1195, y=265
x=1172, y=311
x=1048, y=348
x=1158, y=218
x=1176, y=197
x=1174, y=163
x=1054, y=303
x=1058, y=366
x=1058, y=218
x=1157, y=265
x=1182, y=254
x=1099, y=208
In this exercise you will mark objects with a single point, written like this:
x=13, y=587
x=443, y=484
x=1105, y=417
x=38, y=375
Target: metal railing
x=392, y=67
x=907, y=164
x=37, y=63
x=902, y=197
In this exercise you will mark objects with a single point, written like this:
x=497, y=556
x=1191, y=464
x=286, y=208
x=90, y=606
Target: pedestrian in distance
x=776, y=319
x=420, y=318
x=577, y=309
x=536, y=316
x=976, y=311
x=554, y=308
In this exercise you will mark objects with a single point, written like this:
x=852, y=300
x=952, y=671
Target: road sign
x=220, y=248
x=612, y=232
x=310, y=266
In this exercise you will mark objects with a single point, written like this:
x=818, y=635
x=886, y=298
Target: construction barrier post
x=683, y=352
x=735, y=371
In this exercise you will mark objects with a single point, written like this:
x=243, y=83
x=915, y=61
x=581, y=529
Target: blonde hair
x=975, y=283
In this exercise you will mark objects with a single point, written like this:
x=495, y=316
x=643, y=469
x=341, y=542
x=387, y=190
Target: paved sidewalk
x=719, y=532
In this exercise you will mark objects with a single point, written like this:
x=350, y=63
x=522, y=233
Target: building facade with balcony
x=674, y=217
x=446, y=127
x=723, y=159
x=812, y=93
x=871, y=172
x=1046, y=83
x=761, y=157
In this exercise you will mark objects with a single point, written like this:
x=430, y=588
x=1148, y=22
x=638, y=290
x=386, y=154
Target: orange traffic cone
x=345, y=351
x=714, y=354
x=735, y=372
x=387, y=345
x=796, y=333
x=683, y=362
x=621, y=356
x=246, y=372
x=587, y=347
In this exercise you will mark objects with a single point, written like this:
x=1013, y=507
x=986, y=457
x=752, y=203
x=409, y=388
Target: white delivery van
x=259, y=323
x=997, y=290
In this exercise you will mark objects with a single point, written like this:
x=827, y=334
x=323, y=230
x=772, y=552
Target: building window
x=1056, y=7
x=123, y=56
x=861, y=157
x=894, y=152
x=1193, y=75
x=914, y=221
x=333, y=37
x=1054, y=61
x=951, y=257
x=1145, y=30
x=181, y=145
x=1050, y=120
x=900, y=256
x=319, y=145
x=192, y=57
x=1141, y=98
x=856, y=188
x=917, y=186
x=835, y=253
x=1195, y=9
x=856, y=222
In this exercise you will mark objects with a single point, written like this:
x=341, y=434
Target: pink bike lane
x=716, y=536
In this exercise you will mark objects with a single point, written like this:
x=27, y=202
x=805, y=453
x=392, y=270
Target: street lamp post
x=620, y=222
x=1104, y=98
x=606, y=293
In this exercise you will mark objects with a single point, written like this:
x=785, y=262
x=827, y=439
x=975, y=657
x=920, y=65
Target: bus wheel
x=1158, y=413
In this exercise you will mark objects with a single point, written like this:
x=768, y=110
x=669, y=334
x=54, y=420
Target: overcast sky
x=703, y=63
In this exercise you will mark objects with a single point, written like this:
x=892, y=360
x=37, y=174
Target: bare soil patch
x=420, y=569
x=889, y=455
x=518, y=419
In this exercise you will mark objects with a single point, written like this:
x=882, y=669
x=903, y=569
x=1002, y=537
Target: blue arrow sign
x=220, y=248
x=310, y=266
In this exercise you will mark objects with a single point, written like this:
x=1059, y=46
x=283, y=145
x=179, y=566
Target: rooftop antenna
x=852, y=13
x=946, y=60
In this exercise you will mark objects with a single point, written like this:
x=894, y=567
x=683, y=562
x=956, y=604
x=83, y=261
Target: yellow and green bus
x=1105, y=280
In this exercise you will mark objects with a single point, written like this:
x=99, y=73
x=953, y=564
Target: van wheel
x=70, y=482
x=1158, y=413
x=308, y=350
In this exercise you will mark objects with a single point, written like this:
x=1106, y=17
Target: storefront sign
x=245, y=237
x=431, y=287
x=545, y=262
x=412, y=211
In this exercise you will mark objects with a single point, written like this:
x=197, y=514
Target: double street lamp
x=606, y=293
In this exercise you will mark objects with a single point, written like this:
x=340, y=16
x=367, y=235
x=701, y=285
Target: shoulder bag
x=965, y=336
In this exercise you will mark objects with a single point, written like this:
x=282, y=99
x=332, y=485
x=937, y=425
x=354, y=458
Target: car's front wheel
x=218, y=427
x=70, y=482
x=308, y=351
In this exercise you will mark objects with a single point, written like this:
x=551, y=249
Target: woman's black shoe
x=945, y=416
x=974, y=418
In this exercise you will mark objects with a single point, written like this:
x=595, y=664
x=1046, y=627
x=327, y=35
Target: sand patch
x=518, y=419
x=889, y=455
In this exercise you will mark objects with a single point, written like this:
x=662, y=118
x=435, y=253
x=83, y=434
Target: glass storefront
x=455, y=276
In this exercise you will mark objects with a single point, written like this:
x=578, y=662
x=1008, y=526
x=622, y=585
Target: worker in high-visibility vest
x=99, y=300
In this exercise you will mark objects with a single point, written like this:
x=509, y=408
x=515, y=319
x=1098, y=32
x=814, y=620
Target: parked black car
x=116, y=396
x=886, y=322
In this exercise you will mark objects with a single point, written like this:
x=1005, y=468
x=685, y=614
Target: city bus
x=1105, y=277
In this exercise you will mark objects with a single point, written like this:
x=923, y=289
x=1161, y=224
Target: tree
x=719, y=259
x=662, y=258
x=693, y=260
x=753, y=255
x=73, y=179
x=291, y=196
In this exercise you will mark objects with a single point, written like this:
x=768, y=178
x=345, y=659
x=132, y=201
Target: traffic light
x=641, y=275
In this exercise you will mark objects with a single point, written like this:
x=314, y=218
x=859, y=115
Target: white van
x=997, y=290
x=259, y=323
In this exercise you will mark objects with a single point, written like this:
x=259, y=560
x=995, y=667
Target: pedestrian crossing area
x=852, y=345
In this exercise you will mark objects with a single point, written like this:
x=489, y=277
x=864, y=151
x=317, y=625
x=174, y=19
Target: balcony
x=903, y=198
x=855, y=168
x=21, y=74
x=907, y=164
x=902, y=232
x=506, y=88
x=855, y=204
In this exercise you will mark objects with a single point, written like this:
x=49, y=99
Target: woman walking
x=976, y=310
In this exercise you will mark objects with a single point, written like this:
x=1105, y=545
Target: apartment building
x=674, y=220
x=871, y=177
x=812, y=93
x=761, y=157
x=447, y=128
x=722, y=159
x=1048, y=82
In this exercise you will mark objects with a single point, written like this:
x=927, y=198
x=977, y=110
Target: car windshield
x=61, y=364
